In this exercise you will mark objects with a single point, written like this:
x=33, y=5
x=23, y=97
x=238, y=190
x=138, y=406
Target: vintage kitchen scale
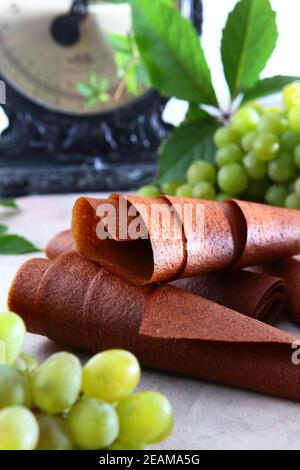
x=54, y=142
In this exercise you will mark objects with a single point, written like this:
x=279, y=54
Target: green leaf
x=9, y=203
x=268, y=86
x=194, y=113
x=120, y=43
x=171, y=50
x=191, y=141
x=3, y=229
x=16, y=245
x=248, y=41
x=84, y=89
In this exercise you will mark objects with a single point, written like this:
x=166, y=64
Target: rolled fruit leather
x=235, y=234
x=256, y=295
x=78, y=303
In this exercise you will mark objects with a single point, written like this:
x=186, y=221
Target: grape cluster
x=58, y=405
x=257, y=158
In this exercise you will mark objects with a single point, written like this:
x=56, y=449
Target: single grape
x=166, y=432
x=266, y=147
x=56, y=383
x=143, y=416
x=2, y=352
x=248, y=140
x=18, y=429
x=222, y=196
x=231, y=153
x=225, y=135
x=276, y=195
x=93, y=424
x=272, y=123
x=169, y=187
x=185, y=190
x=297, y=186
x=294, y=118
x=297, y=156
x=111, y=375
x=255, y=168
x=256, y=189
x=15, y=387
x=118, y=445
x=148, y=191
x=289, y=140
x=256, y=106
x=204, y=190
x=273, y=109
x=245, y=119
x=201, y=171
x=232, y=179
x=291, y=95
x=12, y=333
x=54, y=433
x=292, y=201
x=283, y=169
x=25, y=363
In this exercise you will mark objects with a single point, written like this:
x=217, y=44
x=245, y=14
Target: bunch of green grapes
x=58, y=405
x=257, y=158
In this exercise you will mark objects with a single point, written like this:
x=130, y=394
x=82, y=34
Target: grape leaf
x=9, y=203
x=3, y=229
x=171, y=50
x=268, y=86
x=191, y=141
x=120, y=43
x=248, y=40
x=16, y=245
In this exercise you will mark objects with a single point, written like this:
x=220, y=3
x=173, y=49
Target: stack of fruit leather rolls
x=110, y=294
x=257, y=295
x=76, y=302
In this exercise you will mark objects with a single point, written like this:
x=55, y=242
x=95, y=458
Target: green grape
x=297, y=186
x=93, y=424
x=222, y=196
x=273, y=109
x=143, y=416
x=292, y=201
x=54, y=433
x=294, y=118
x=118, y=445
x=289, y=140
x=185, y=190
x=272, y=123
x=169, y=187
x=297, y=156
x=18, y=429
x=148, y=191
x=111, y=375
x=266, y=147
x=201, y=171
x=15, y=387
x=232, y=178
x=276, y=195
x=2, y=352
x=166, y=432
x=291, y=95
x=283, y=169
x=255, y=168
x=12, y=333
x=56, y=383
x=25, y=363
x=256, y=189
x=247, y=141
x=204, y=190
x=245, y=119
x=256, y=106
x=225, y=135
x=231, y=153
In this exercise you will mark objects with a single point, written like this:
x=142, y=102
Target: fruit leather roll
x=78, y=303
x=289, y=270
x=256, y=295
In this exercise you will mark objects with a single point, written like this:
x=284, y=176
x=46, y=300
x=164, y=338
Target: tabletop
x=208, y=416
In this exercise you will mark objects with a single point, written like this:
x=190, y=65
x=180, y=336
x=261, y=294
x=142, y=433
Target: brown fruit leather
x=76, y=302
x=256, y=295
